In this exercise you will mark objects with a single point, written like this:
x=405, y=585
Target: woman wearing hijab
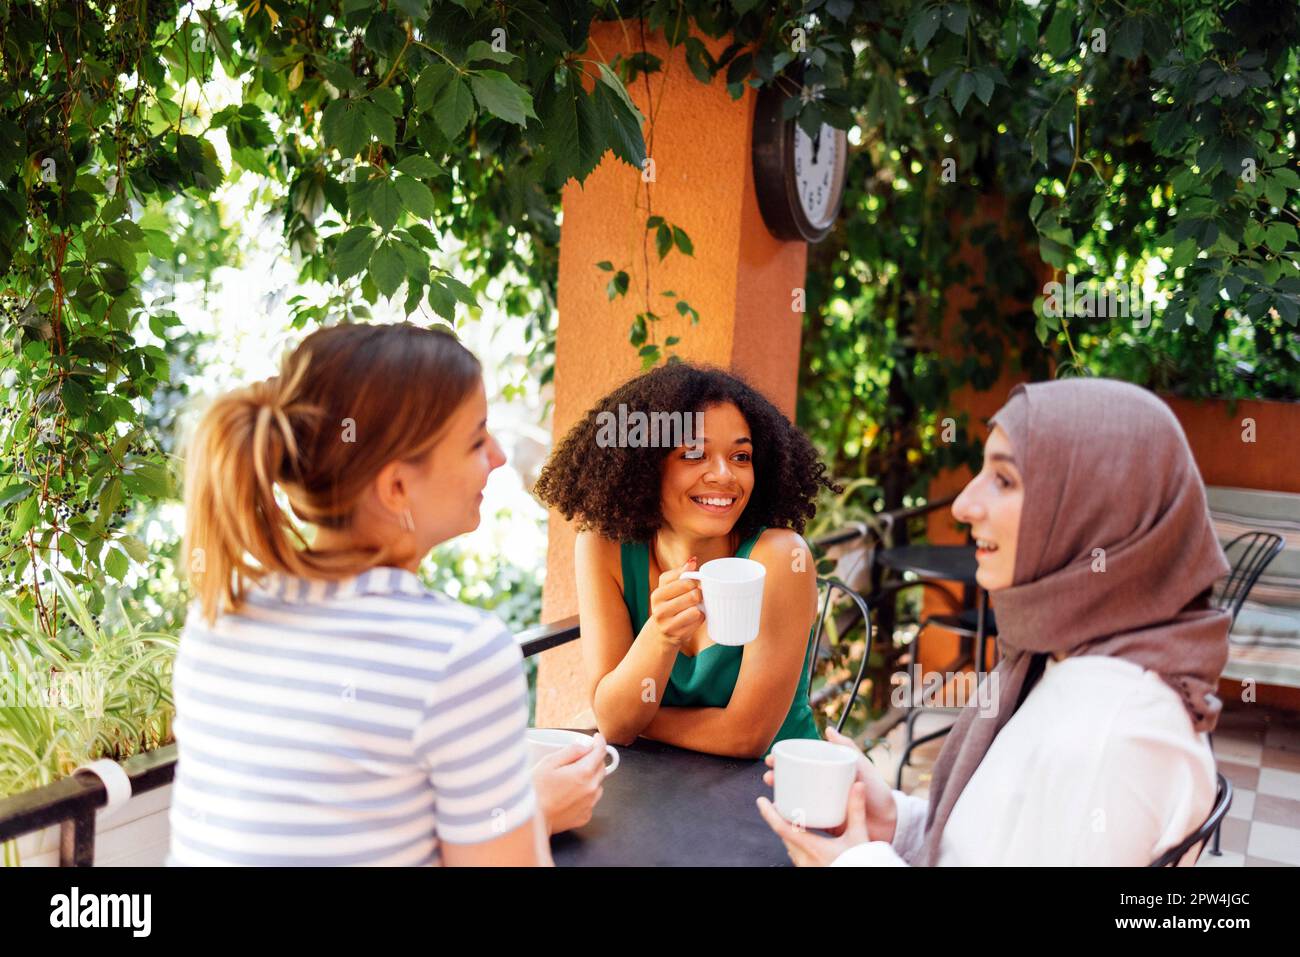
x=1093, y=534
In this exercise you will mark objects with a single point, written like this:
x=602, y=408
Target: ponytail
x=280, y=434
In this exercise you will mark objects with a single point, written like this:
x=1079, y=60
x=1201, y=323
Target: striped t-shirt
x=359, y=722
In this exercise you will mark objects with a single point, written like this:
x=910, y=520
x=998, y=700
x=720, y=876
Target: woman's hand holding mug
x=569, y=784
x=677, y=605
x=882, y=813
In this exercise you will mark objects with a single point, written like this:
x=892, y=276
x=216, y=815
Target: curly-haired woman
x=735, y=478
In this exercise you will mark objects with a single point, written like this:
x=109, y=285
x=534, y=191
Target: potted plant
x=93, y=691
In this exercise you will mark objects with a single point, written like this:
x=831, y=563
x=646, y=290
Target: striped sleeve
x=470, y=738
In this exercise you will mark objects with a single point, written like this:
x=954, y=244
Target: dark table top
x=954, y=563
x=667, y=806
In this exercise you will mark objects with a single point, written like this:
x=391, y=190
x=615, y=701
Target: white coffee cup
x=812, y=781
x=544, y=741
x=733, y=598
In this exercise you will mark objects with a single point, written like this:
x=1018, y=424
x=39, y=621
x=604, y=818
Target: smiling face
x=991, y=503
x=706, y=485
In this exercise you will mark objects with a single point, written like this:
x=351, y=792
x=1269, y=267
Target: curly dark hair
x=615, y=490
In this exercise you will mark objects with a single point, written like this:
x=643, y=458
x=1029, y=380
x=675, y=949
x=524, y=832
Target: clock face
x=798, y=179
x=817, y=169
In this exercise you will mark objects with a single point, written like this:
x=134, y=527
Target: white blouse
x=1099, y=766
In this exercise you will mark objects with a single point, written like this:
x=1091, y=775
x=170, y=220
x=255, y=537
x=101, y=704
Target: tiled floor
x=1258, y=750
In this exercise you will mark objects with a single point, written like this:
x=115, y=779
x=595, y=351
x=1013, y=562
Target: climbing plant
x=1146, y=148
x=390, y=129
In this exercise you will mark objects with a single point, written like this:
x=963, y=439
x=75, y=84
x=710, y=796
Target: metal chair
x=830, y=586
x=965, y=624
x=1222, y=801
x=1257, y=549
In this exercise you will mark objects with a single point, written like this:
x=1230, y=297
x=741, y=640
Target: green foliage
x=1003, y=146
x=96, y=689
x=368, y=117
x=1165, y=154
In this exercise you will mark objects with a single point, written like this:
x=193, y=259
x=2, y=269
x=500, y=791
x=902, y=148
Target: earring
x=408, y=523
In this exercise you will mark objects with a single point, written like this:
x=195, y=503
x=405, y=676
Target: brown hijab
x=1105, y=466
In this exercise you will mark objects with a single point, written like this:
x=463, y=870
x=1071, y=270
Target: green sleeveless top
x=707, y=679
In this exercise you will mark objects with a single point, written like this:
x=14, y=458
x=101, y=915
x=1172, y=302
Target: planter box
x=137, y=835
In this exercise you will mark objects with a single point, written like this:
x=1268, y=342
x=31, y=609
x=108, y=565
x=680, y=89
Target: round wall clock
x=799, y=178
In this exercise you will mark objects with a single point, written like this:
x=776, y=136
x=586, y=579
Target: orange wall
x=740, y=279
x=1214, y=430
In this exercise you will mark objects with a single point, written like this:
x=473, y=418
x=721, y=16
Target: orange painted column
x=740, y=279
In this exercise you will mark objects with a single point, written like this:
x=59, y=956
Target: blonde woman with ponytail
x=330, y=709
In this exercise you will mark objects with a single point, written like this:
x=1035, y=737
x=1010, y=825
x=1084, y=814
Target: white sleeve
x=909, y=837
x=470, y=739
x=1118, y=796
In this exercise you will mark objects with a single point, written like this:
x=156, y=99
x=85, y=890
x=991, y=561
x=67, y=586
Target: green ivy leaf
x=353, y=251
x=683, y=241
x=698, y=60
x=442, y=302
x=433, y=79
x=15, y=493
x=1287, y=177
x=453, y=108
x=962, y=94
x=1183, y=253
x=148, y=478
x=955, y=16
x=344, y=127
x=1278, y=235
x=481, y=50
x=387, y=99
x=572, y=130
x=622, y=126
x=609, y=79
x=415, y=197
x=663, y=240
x=385, y=204
x=340, y=76
x=925, y=22
x=458, y=289
x=387, y=269
x=137, y=549
x=1128, y=39
x=421, y=167
x=116, y=564
x=502, y=97
x=1060, y=32
x=379, y=122
x=26, y=517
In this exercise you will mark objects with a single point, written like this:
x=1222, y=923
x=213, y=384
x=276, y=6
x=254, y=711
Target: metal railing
x=72, y=802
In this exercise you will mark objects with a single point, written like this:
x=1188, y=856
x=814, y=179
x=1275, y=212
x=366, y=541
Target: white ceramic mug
x=812, y=781
x=733, y=598
x=544, y=741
